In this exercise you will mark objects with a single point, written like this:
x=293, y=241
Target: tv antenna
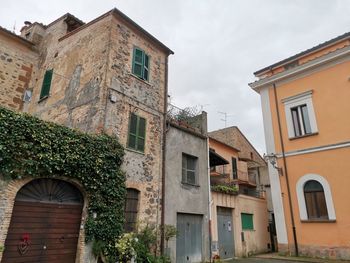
x=225, y=117
x=14, y=27
x=202, y=106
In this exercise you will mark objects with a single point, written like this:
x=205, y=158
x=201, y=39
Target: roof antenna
x=202, y=106
x=225, y=117
x=14, y=27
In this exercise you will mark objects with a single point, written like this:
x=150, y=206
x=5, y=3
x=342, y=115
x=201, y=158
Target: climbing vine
x=30, y=147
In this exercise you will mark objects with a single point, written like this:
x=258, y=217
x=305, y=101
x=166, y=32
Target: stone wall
x=17, y=65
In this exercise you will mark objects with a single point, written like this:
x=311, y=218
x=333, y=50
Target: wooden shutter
x=234, y=168
x=315, y=200
x=141, y=133
x=132, y=131
x=131, y=209
x=45, y=89
x=145, y=67
x=137, y=133
x=137, y=65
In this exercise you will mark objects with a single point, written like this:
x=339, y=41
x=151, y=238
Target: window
x=131, y=209
x=140, y=64
x=247, y=221
x=300, y=115
x=189, y=165
x=45, y=89
x=137, y=133
x=301, y=121
x=234, y=168
x=315, y=200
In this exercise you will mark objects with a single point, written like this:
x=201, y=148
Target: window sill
x=139, y=79
x=135, y=151
x=190, y=185
x=43, y=98
x=319, y=221
x=303, y=136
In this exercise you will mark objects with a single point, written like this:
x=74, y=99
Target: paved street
x=257, y=260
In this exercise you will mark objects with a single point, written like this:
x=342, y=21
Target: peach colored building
x=305, y=104
x=239, y=218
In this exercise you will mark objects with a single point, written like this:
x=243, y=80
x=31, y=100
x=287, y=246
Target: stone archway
x=45, y=223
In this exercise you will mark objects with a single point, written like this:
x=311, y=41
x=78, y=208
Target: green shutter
x=247, y=221
x=145, y=68
x=140, y=64
x=45, y=89
x=234, y=168
x=137, y=64
x=137, y=133
x=132, y=131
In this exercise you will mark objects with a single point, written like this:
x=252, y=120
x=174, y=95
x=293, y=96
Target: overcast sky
x=218, y=44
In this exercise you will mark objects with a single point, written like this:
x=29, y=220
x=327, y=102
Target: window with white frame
x=300, y=115
x=315, y=198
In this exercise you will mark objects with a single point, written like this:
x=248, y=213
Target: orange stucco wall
x=333, y=166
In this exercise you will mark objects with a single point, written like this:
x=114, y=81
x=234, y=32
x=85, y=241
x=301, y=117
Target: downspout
x=209, y=203
x=286, y=172
x=162, y=220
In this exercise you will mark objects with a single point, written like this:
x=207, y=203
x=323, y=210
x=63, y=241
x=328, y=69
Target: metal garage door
x=45, y=223
x=189, y=239
x=225, y=232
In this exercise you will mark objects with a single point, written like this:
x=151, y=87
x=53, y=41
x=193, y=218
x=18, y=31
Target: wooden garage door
x=45, y=223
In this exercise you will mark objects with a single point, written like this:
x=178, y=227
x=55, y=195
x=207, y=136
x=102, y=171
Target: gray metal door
x=189, y=239
x=225, y=232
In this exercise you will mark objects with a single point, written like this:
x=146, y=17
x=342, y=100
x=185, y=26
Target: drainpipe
x=286, y=172
x=209, y=202
x=162, y=220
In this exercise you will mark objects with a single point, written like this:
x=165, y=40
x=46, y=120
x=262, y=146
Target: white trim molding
x=276, y=192
x=304, y=98
x=301, y=197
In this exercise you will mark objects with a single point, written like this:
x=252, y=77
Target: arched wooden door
x=45, y=223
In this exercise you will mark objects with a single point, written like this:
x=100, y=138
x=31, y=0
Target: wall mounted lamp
x=272, y=159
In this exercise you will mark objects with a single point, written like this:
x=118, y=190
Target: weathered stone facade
x=17, y=62
x=93, y=90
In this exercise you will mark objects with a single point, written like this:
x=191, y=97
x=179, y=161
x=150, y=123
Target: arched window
x=131, y=209
x=315, y=200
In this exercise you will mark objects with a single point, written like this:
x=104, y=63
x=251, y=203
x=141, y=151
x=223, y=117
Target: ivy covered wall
x=30, y=147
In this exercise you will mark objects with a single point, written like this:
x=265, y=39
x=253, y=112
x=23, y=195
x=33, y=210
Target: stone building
x=108, y=75
x=187, y=186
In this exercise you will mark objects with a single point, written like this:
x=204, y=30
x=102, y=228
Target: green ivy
x=30, y=147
